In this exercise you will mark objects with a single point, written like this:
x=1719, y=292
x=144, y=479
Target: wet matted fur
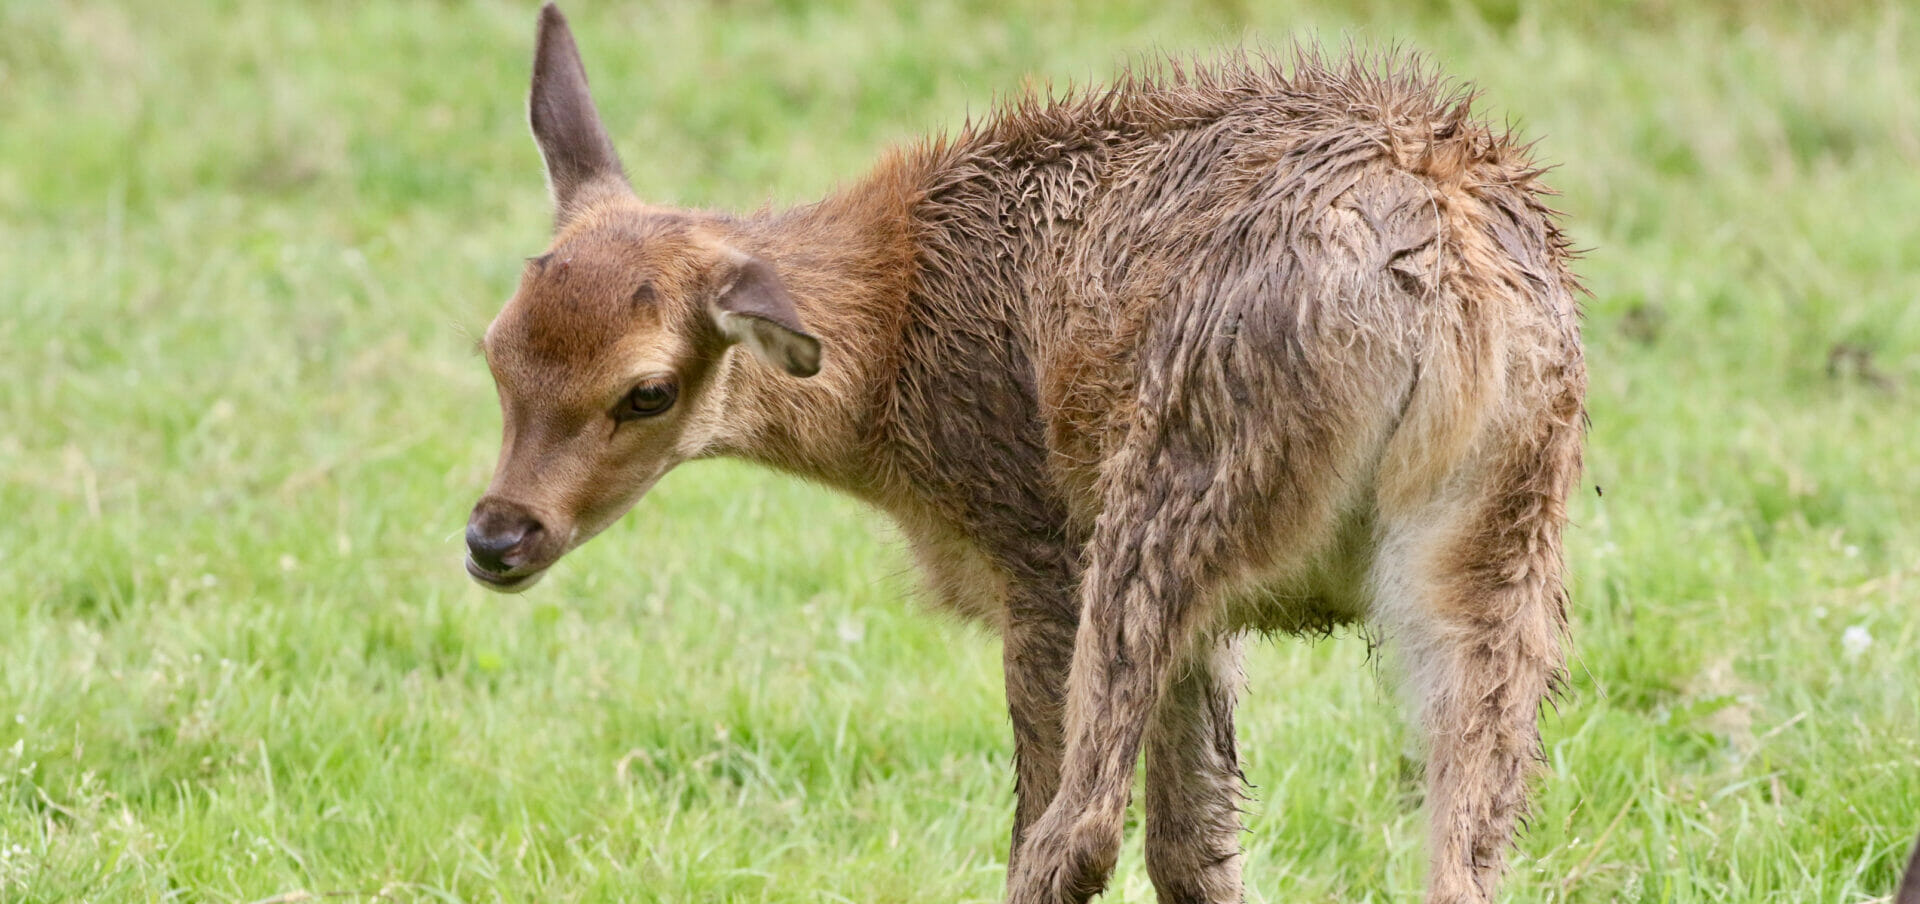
x=1248, y=344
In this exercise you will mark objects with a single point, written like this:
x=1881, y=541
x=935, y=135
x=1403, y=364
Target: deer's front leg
x=1038, y=651
x=1194, y=785
x=1137, y=605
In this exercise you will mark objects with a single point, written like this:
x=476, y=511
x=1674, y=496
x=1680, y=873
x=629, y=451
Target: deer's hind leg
x=1194, y=783
x=1468, y=592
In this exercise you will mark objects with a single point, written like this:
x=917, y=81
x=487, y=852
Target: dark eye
x=646, y=400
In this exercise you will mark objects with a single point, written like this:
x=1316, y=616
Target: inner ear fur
x=753, y=308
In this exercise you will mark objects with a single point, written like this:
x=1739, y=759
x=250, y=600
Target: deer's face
x=611, y=367
x=602, y=384
x=611, y=359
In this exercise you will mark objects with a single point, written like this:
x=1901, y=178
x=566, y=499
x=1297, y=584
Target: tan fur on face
x=1218, y=349
x=615, y=300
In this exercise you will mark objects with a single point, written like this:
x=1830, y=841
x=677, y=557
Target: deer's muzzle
x=508, y=547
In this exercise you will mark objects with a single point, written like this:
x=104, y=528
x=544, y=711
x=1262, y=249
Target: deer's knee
x=1066, y=859
x=1194, y=867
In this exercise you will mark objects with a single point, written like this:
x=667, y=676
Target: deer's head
x=612, y=359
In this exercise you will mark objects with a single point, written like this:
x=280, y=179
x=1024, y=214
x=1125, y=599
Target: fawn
x=1218, y=350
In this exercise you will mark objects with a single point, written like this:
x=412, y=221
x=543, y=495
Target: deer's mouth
x=503, y=583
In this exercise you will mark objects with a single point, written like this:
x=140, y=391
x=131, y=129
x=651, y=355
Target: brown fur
x=1909, y=892
x=1135, y=371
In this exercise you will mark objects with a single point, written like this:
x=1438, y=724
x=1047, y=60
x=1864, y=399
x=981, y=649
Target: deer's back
x=1340, y=268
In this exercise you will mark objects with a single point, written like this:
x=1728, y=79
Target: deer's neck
x=849, y=263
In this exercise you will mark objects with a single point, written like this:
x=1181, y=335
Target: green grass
x=243, y=248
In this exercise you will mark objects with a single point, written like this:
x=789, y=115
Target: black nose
x=498, y=534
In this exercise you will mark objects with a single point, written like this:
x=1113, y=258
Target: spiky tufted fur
x=1223, y=348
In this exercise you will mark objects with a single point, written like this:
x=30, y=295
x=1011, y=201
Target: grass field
x=244, y=248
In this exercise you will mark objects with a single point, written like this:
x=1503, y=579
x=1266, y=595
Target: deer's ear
x=579, y=156
x=753, y=308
